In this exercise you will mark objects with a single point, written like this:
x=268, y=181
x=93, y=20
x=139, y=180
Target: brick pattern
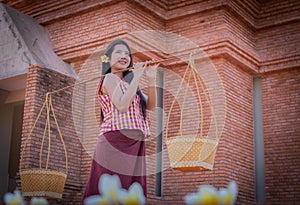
x=281, y=107
x=236, y=149
x=277, y=47
x=242, y=38
x=219, y=31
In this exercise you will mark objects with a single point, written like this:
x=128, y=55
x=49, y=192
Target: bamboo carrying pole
x=98, y=77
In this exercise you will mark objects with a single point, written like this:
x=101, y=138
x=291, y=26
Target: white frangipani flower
x=134, y=195
x=109, y=186
x=97, y=200
x=14, y=199
x=210, y=195
x=105, y=59
x=192, y=199
x=38, y=201
x=206, y=195
x=228, y=195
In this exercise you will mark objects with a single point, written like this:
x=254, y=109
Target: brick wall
x=243, y=38
x=281, y=109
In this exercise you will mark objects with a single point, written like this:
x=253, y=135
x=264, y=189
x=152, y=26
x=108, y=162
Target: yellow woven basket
x=44, y=182
x=197, y=152
x=191, y=153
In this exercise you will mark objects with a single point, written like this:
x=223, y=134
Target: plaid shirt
x=115, y=120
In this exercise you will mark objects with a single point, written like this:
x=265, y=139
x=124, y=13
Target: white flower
x=228, y=196
x=111, y=193
x=206, y=195
x=104, y=59
x=97, y=200
x=109, y=186
x=192, y=199
x=134, y=195
x=14, y=199
x=38, y=201
x=210, y=195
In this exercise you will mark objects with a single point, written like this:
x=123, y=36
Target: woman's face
x=120, y=58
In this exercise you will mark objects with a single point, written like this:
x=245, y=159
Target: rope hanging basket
x=196, y=152
x=42, y=181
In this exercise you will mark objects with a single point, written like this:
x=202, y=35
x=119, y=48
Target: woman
x=120, y=148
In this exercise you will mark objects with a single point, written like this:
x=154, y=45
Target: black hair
x=127, y=75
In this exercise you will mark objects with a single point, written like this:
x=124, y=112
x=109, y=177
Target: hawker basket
x=191, y=153
x=42, y=181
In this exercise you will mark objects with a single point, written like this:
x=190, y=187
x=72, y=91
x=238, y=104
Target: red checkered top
x=116, y=120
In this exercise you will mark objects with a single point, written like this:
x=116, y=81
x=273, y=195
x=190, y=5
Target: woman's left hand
x=150, y=70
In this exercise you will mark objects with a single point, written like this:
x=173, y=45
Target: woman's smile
x=123, y=61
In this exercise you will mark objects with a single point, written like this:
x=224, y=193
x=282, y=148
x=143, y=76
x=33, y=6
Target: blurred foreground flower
x=109, y=186
x=14, y=199
x=17, y=199
x=38, y=201
x=134, y=195
x=228, y=196
x=209, y=195
x=97, y=200
x=112, y=193
x=206, y=195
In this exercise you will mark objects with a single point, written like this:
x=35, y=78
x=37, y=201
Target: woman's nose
x=123, y=55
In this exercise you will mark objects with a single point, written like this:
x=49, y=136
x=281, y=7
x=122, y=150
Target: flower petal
x=209, y=194
x=138, y=190
x=109, y=185
x=97, y=200
x=207, y=189
x=133, y=196
x=225, y=197
x=233, y=187
x=109, y=182
x=14, y=199
x=192, y=199
x=38, y=201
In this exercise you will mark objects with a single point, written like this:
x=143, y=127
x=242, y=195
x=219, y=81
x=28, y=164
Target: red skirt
x=121, y=153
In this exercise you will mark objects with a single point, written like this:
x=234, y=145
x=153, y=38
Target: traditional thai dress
x=120, y=148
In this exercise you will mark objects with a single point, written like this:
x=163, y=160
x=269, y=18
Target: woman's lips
x=122, y=62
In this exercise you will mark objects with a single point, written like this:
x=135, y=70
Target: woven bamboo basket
x=191, y=153
x=42, y=181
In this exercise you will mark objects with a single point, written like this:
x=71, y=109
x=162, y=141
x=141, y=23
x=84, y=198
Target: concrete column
x=258, y=140
x=159, y=132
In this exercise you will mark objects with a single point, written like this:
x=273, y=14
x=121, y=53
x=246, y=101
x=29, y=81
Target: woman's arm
x=150, y=72
x=112, y=87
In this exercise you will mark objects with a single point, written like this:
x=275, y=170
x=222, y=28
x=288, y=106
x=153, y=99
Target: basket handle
x=184, y=97
x=192, y=63
x=197, y=77
x=173, y=102
x=60, y=135
x=49, y=108
x=30, y=133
